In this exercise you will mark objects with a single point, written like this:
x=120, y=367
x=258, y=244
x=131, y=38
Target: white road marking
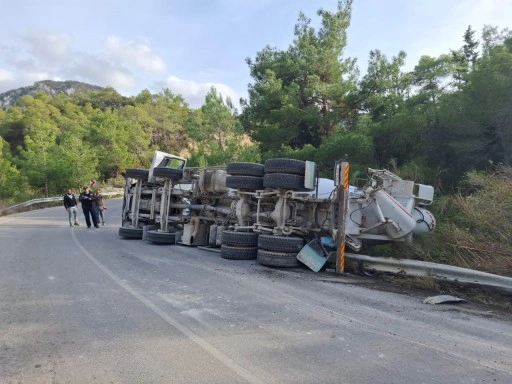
x=228, y=362
x=6, y=221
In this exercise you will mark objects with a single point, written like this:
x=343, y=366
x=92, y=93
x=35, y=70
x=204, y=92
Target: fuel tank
x=213, y=181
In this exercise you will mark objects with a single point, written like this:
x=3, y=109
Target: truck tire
x=280, y=243
x=245, y=169
x=168, y=173
x=238, y=253
x=130, y=232
x=159, y=237
x=292, y=166
x=240, y=239
x=140, y=174
x=277, y=259
x=284, y=181
x=251, y=183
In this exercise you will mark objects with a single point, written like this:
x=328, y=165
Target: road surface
x=81, y=305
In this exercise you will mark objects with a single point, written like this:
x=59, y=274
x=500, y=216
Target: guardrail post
x=342, y=191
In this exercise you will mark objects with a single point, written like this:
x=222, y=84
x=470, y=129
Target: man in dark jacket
x=71, y=206
x=87, y=199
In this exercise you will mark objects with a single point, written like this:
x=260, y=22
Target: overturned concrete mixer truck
x=269, y=212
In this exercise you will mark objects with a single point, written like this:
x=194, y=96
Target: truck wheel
x=277, y=259
x=238, y=253
x=158, y=237
x=240, y=239
x=284, y=181
x=168, y=173
x=141, y=174
x=280, y=243
x=130, y=232
x=245, y=169
x=292, y=166
x=251, y=183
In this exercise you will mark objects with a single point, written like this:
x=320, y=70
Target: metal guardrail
x=440, y=272
x=19, y=207
x=29, y=203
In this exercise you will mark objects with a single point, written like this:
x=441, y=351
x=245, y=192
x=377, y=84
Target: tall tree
x=12, y=183
x=218, y=120
x=165, y=119
x=473, y=126
x=492, y=38
x=431, y=77
x=487, y=105
x=385, y=87
x=470, y=48
x=74, y=163
x=39, y=146
x=217, y=135
x=465, y=59
x=301, y=95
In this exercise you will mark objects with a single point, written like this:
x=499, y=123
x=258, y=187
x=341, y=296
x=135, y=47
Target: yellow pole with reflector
x=342, y=199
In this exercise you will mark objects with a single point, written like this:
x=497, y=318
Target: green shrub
x=474, y=227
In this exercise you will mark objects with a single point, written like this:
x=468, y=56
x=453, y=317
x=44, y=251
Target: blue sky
x=190, y=45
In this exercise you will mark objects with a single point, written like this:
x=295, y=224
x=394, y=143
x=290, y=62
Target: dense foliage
x=49, y=144
x=449, y=115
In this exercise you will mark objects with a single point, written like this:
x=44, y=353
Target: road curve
x=81, y=305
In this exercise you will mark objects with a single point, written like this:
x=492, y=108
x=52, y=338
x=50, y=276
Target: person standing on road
x=100, y=206
x=87, y=199
x=71, y=206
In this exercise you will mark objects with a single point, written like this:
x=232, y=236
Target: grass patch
x=474, y=227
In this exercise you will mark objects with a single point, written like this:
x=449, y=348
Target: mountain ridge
x=10, y=98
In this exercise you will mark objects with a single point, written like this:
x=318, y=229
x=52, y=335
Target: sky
x=188, y=46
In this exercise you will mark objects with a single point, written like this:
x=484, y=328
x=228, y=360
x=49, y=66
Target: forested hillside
x=49, y=143
x=450, y=115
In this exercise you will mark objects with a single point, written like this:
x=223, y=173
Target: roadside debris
x=443, y=299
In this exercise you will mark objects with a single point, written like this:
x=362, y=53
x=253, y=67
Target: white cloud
x=40, y=55
x=120, y=79
x=100, y=71
x=33, y=56
x=32, y=77
x=48, y=47
x=9, y=81
x=194, y=93
x=136, y=53
x=6, y=75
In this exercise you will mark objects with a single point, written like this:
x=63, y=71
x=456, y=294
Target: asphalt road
x=81, y=305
